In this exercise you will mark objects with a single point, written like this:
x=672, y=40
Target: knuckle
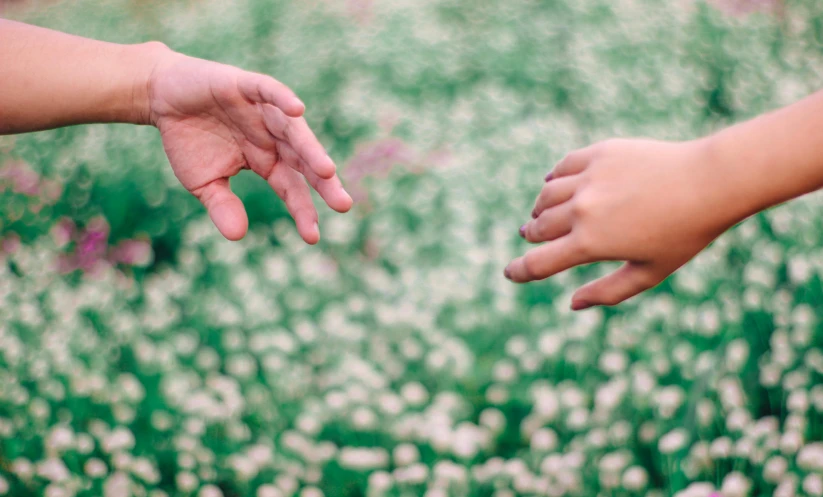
x=583, y=205
x=585, y=245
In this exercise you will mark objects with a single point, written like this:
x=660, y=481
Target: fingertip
x=345, y=204
x=296, y=108
x=580, y=304
x=230, y=221
x=311, y=235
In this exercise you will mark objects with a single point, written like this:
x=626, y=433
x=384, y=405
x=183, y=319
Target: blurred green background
x=141, y=354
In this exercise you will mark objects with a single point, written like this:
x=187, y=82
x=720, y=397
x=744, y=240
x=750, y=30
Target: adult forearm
x=50, y=79
x=768, y=160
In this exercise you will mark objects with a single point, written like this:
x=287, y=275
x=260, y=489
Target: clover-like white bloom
x=363, y=458
x=120, y=439
x=775, y=469
x=118, y=484
x=735, y=484
x=414, y=393
x=673, y=441
x=813, y=485
x=60, y=439
x=209, y=491
x=186, y=481
x=53, y=469
x=268, y=490
x=635, y=478
x=810, y=457
x=405, y=454
x=790, y=442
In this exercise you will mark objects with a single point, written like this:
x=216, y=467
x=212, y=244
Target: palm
x=216, y=120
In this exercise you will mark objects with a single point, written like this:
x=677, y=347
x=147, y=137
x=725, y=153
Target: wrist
x=145, y=59
x=726, y=189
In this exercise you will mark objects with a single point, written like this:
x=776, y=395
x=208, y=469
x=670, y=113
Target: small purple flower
x=92, y=244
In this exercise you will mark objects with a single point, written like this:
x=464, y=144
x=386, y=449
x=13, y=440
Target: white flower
x=53, y=469
x=414, y=393
x=363, y=458
x=209, y=491
x=669, y=400
x=311, y=492
x=405, y=454
x=735, y=484
x=413, y=474
x=504, y=371
x=737, y=353
x=268, y=491
x=774, y=469
x=544, y=440
x=145, y=470
x=117, y=485
x=60, y=439
x=790, y=442
x=798, y=401
x=673, y=441
x=635, y=478
x=4, y=486
x=721, y=448
x=95, y=468
x=813, y=485
x=614, y=462
x=118, y=440
x=186, y=481
x=493, y=419
x=379, y=482
x=810, y=457
x=613, y=362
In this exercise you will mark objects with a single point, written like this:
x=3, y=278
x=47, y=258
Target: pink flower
x=62, y=232
x=92, y=244
x=10, y=243
x=132, y=253
x=22, y=178
x=743, y=7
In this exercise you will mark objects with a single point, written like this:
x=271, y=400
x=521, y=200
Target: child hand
x=651, y=204
x=216, y=120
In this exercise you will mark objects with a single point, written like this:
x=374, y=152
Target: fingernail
x=507, y=273
x=579, y=305
x=549, y=177
x=523, y=231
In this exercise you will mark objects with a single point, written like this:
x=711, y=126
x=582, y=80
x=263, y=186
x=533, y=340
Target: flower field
x=142, y=354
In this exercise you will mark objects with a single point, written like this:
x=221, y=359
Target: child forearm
x=50, y=79
x=768, y=160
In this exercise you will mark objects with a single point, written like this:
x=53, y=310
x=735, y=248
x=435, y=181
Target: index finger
x=297, y=134
x=546, y=260
x=263, y=89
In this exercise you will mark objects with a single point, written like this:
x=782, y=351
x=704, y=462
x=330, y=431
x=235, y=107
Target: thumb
x=225, y=208
x=616, y=287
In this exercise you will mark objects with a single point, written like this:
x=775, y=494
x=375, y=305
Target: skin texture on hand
x=216, y=120
x=654, y=205
x=637, y=201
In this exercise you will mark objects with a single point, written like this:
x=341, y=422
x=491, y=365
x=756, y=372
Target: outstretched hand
x=216, y=120
x=648, y=203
